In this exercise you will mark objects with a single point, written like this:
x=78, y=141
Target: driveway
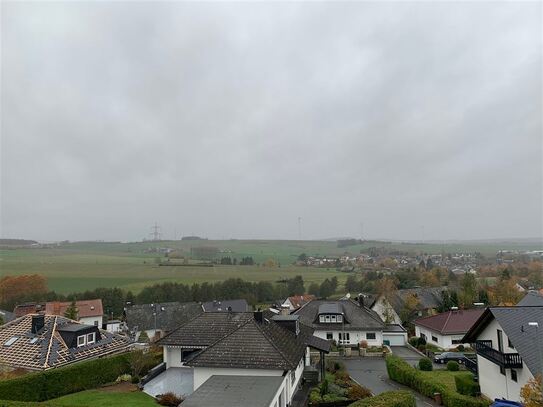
x=407, y=354
x=372, y=373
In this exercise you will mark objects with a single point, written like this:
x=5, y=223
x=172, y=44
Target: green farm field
x=73, y=267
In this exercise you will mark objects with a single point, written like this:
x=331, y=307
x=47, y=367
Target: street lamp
x=538, y=344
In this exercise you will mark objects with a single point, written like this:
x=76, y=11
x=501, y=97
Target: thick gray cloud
x=421, y=120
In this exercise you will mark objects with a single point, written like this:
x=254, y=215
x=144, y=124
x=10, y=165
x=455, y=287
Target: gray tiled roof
x=169, y=315
x=356, y=317
x=235, y=391
x=226, y=305
x=428, y=298
x=527, y=340
x=532, y=298
x=255, y=345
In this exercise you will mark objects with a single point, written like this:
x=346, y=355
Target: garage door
x=394, y=340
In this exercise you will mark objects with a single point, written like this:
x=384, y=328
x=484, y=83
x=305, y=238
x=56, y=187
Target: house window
x=327, y=318
x=344, y=337
x=333, y=318
x=340, y=318
x=321, y=318
x=370, y=335
x=91, y=338
x=81, y=340
x=456, y=341
x=95, y=323
x=513, y=375
x=434, y=339
x=510, y=344
x=329, y=336
x=11, y=341
x=292, y=378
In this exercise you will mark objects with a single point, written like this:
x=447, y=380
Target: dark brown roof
x=206, y=329
x=451, y=322
x=47, y=348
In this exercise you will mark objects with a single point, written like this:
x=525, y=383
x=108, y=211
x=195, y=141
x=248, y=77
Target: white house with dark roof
x=348, y=323
x=41, y=342
x=509, y=346
x=236, y=344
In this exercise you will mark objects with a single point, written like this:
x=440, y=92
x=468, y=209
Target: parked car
x=505, y=403
x=447, y=356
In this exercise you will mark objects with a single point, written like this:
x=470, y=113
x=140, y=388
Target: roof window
x=11, y=341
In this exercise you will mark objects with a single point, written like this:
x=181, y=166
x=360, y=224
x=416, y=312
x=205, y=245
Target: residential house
x=159, y=318
x=226, y=306
x=236, y=344
x=297, y=301
x=41, y=342
x=348, y=323
x=447, y=329
x=531, y=298
x=89, y=312
x=408, y=304
x=509, y=346
x=28, y=308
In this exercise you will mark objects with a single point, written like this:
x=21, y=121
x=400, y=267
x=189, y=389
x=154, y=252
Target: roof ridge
x=46, y=363
x=273, y=344
x=446, y=321
x=182, y=325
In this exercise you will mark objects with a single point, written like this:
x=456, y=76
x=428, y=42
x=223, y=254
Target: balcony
x=505, y=360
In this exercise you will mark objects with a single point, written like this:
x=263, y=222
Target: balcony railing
x=505, y=360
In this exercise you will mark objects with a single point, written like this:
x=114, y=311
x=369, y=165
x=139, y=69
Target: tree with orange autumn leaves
x=27, y=287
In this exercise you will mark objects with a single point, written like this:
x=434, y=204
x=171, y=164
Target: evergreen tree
x=71, y=311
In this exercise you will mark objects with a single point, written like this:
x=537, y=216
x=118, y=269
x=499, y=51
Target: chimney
x=290, y=322
x=38, y=322
x=285, y=310
x=361, y=300
x=259, y=317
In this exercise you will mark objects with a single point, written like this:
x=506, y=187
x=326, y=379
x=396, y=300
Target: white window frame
x=79, y=343
x=93, y=336
x=371, y=333
x=340, y=318
x=321, y=318
x=333, y=318
x=327, y=319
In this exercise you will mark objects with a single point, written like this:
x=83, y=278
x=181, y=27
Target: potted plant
x=363, y=346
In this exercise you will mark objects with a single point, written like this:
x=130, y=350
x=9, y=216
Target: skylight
x=33, y=341
x=11, y=341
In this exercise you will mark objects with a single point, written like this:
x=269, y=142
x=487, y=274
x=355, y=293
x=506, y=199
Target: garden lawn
x=92, y=398
x=444, y=377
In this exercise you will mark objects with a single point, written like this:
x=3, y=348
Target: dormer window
x=91, y=338
x=321, y=318
x=333, y=318
x=340, y=318
x=81, y=340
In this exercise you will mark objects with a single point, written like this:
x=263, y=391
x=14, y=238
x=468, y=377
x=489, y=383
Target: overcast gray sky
x=231, y=120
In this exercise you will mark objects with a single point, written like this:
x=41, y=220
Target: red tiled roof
x=451, y=322
x=85, y=308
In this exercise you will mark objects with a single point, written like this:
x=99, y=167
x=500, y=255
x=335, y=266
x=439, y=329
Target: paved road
x=372, y=373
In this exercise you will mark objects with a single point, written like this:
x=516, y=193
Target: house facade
x=509, y=346
x=89, y=312
x=447, y=329
x=239, y=344
x=347, y=323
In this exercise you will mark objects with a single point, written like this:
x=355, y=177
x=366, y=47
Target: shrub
x=123, y=378
x=426, y=364
x=169, y=399
x=460, y=348
x=135, y=379
x=342, y=379
x=414, y=341
x=363, y=344
x=452, y=366
x=324, y=388
x=400, y=371
x=388, y=399
x=58, y=382
x=465, y=384
x=358, y=392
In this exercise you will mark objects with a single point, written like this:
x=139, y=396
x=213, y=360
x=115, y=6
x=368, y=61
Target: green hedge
x=466, y=385
x=64, y=380
x=401, y=372
x=388, y=399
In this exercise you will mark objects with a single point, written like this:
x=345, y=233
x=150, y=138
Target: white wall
x=443, y=341
x=354, y=336
x=493, y=383
x=96, y=321
x=150, y=333
x=201, y=374
x=381, y=307
x=171, y=356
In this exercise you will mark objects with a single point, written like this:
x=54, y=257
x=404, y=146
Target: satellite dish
x=348, y=295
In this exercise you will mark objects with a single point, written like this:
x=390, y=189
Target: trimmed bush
x=400, y=371
x=58, y=382
x=388, y=399
x=453, y=366
x=358, y=392
x=426, y=365
x=466, y=385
